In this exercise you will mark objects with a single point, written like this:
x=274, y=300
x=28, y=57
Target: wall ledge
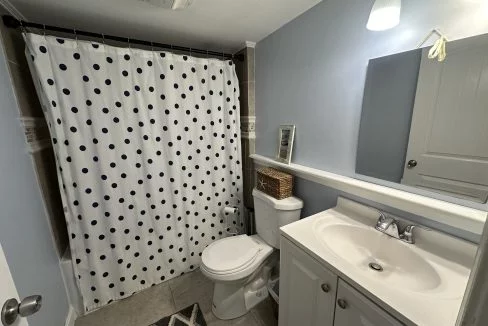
x=457, y=216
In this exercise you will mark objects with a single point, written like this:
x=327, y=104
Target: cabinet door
x=307, y=289
x=353, y=308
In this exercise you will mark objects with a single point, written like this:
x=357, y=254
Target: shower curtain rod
x=12, y=22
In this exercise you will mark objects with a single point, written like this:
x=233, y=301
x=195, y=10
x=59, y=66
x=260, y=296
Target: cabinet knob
x=342, y=303
x=325, y=287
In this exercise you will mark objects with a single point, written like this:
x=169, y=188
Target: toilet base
x=234, y=299
x=231, y=301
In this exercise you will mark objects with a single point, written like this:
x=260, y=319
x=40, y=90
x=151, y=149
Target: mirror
x=424, y=123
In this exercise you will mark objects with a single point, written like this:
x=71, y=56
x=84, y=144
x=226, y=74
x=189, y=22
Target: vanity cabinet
x=353, y=308
x=311, y=295
x=307, y=289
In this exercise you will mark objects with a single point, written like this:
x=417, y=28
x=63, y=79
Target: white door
x=354, y=309
x=307, y=289
x=448, y=145
x=7, y=287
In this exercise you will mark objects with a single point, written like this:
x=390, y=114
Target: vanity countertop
x=421, y=284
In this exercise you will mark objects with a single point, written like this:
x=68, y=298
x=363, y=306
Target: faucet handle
x=407, y=234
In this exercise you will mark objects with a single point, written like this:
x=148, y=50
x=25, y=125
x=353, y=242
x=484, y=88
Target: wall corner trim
x=457, y=216
x=249, y=44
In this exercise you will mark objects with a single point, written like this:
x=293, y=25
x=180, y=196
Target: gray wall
x=389, y=96
x=311, y=73
x=24, y=230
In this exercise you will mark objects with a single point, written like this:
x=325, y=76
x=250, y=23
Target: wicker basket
x=275, y=183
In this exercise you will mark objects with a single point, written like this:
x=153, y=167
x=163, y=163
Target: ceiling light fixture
x=385, y=14
x=170, y=4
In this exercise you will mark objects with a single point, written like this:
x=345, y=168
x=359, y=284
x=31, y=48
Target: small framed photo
x=285, y=146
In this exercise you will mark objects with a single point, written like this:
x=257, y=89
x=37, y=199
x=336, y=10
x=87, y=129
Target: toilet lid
x=230, y=254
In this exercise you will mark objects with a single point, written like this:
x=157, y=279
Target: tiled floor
x=162, y=300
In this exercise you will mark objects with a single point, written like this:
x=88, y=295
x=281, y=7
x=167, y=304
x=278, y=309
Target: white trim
x=250, y=44
x=12, y=10
x=71, y=318
x=248, y=135
x=248, y=118
x=457, y=216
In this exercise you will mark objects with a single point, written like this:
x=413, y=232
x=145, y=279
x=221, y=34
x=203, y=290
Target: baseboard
x=72, y=315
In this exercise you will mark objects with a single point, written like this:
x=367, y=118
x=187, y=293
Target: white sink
x=420, y=284
x=402, y=268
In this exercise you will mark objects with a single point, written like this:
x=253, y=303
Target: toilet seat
x=234, y=257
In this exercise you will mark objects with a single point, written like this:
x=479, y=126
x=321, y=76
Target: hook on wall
x=438, y=50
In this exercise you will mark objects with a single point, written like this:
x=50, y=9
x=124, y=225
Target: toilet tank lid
x=287, y=204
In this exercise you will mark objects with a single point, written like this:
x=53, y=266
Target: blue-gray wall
x=384, y=130
x=24, y=231
x=312, y=71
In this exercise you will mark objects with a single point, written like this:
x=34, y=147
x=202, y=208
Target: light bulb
x=385, y=14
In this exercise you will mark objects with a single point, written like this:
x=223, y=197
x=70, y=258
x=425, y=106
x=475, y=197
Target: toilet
x=240, y=265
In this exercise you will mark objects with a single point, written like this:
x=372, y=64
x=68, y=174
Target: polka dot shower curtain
x=147, y=146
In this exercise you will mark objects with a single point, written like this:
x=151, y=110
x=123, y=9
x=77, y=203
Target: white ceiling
x=220, y=25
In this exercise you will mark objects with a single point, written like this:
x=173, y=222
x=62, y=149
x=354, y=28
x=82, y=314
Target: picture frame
x=286, y=137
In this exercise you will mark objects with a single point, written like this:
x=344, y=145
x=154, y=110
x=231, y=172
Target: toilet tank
x=271, y=214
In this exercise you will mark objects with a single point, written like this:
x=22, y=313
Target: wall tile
x=25, y=92
x=251, y=98
x=244, y=99
x=45, y=167
x=249, y=65
x=14, y=45
x=240, y=65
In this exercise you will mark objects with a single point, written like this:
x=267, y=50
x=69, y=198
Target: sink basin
x=381, y=257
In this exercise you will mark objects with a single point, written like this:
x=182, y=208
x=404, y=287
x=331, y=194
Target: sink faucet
x=389, y=226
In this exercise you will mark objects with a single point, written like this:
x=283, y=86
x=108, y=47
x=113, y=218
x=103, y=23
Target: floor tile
x=162, y=300
x=141, y=309
x=191, y=288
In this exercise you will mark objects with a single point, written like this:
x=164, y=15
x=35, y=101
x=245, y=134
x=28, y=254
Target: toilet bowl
x=240, y=265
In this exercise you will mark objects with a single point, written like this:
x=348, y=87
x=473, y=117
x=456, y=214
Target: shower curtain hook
x=43, y=29
x=76, y=35
x=103, y=39
x=152, y=47
x=22, y=28
x=128, y=42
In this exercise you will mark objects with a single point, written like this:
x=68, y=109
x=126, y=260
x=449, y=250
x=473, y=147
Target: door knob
x=411, y=164
x=12, y=308
x=342, y=303
x=325, y=287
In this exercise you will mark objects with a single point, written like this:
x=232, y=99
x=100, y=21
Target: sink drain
x=376, y=267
